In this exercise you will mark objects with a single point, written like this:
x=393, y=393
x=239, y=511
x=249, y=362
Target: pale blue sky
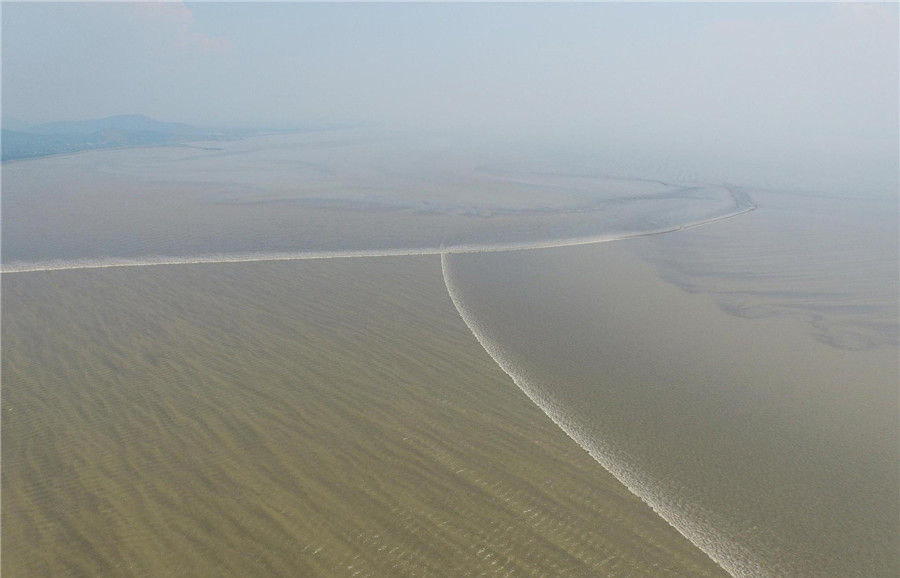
x=695, y=74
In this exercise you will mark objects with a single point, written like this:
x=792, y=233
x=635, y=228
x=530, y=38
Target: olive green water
x=290, y=419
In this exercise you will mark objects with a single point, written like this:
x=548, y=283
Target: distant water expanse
x=319, y=195
x=741, y=377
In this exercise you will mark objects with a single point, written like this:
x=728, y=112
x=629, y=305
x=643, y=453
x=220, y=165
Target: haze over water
x=687, y=257
x=358, y=192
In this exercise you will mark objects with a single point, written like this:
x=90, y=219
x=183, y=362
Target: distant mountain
x=128, y=122
x=17, y=144
x=110, y=132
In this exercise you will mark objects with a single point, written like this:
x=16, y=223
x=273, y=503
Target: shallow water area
x=831, y=262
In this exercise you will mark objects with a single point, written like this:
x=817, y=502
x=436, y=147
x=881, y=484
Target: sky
x=788, y=75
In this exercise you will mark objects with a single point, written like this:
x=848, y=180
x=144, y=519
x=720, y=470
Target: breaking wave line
x=247, y=257
x=728, y=555
x=722, y=554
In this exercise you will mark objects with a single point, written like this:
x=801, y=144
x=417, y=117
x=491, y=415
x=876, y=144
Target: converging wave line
x=249, y=257
x=720, y=551
x=596, y=448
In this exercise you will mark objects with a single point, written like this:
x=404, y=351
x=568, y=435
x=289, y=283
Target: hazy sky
x=690, y=73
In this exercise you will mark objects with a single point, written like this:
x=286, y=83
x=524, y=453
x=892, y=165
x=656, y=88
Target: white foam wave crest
x=693, y=522
x=692, y=527
x=152, y=260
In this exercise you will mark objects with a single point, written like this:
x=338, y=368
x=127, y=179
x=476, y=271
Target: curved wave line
x=721, y=551
x=148, y=261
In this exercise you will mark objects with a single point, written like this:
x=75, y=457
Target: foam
x=698, y=528
x=247, y=257
x=719, y=551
